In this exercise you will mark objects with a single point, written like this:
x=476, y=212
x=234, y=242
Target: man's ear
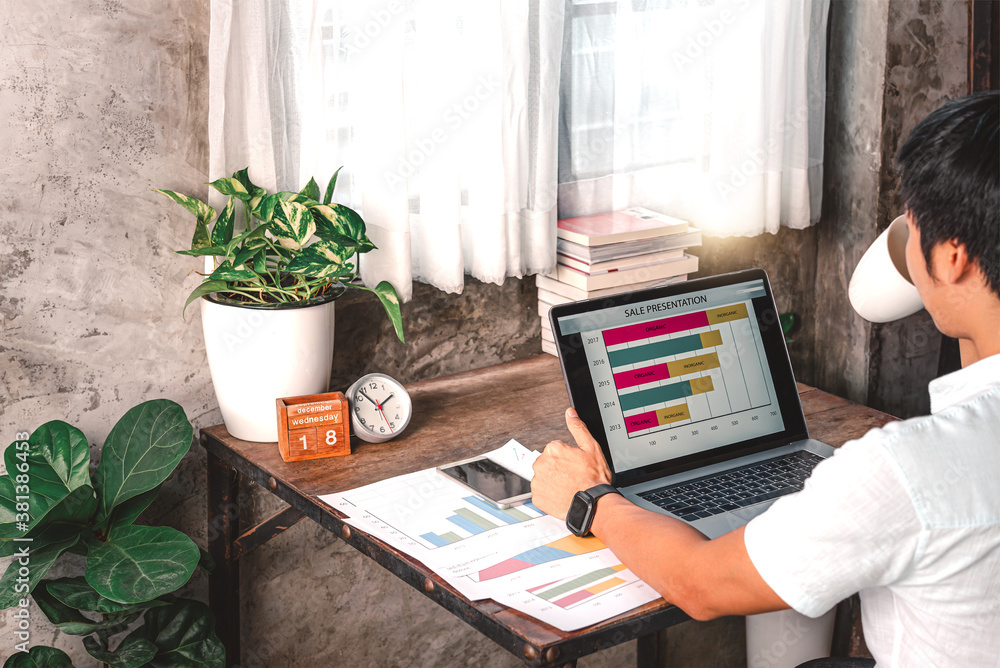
x=955, y=261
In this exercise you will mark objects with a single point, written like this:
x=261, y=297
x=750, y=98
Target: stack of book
x=614, y=252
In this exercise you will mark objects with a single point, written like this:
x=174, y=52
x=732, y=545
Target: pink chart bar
x=641, y=421
x=645, y=330
x=647, y=374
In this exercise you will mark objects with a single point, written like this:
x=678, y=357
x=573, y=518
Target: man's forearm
x=704, y=578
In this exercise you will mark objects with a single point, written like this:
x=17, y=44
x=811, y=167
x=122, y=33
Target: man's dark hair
x=951, y=180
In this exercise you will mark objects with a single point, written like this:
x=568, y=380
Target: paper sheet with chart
x=486, y=552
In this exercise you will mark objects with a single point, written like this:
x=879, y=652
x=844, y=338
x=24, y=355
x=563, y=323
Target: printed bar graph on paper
x=434, y=539
x=577, y=582
x=451, y=537
x=582, y=595
x=464, y=523
x=476, y=518
x=560, y=549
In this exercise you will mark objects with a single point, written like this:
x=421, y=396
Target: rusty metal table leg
x=651, y=650
x=223, y=529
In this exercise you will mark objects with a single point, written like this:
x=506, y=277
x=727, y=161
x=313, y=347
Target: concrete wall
x=102, y=100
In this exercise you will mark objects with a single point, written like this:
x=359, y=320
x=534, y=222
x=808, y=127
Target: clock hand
x=365, y=394
x=386, y=400
x=385, y=418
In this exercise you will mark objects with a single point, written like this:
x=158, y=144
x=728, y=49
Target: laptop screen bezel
x=583, y=397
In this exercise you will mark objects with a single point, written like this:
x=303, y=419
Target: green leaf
x=226, y=272
x=200, y=238
x=204, y=288
x=205, y=562
x=77, y=594
x=70, y=517
x=202, y=213
x=56, y=460
x=185, y=635
x=222, y=231
x=264, y=210
x=142, y=449
x=331, y=185
x=70, y=620
x=132, y=652
x=232, y=187
x=787, y=322
x=311, y=190
x=247, y=255
x=14, y=585
x=124, y=514
x=139, y=563
x=320, y=260
x=243, y=176
x=200, y=210
x=253, y=237
x=39, y=656
x=207, y=250
x=350, y=221
x=297, y=198
x=8, y=510
x=292, y=224
x=390, y=302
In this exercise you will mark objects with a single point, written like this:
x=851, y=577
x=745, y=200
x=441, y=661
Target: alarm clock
x=380, y=407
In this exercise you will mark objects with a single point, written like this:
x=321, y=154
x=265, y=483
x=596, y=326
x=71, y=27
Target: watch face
x=381, y=407
x=578, y=514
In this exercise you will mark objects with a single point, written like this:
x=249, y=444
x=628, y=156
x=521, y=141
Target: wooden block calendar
x=313, y=426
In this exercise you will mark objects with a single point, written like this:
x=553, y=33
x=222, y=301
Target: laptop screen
x=666, y=376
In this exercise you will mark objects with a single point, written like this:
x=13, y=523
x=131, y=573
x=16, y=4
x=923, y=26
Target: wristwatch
x=584, y=507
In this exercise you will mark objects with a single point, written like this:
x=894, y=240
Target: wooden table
x=454, y=417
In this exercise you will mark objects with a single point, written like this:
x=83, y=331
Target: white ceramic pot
x=257, y=355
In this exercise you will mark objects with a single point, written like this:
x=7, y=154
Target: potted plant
x=50, y=504
x=267, y=303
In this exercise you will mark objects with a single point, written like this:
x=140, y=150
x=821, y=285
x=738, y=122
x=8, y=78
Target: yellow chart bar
x=673, y=414
x=577, y=545
x=693, y=364
x=711, y=339
x=726, y=313
x=604, y=586
x=701, y=385
x=619, y=567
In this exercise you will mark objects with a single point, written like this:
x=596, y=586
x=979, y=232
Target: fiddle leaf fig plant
x=294, y=247
x=51, y=504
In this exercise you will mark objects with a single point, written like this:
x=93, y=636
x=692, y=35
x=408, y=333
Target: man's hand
x=564, y=470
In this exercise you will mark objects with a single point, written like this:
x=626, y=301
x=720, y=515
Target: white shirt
x=909, y=516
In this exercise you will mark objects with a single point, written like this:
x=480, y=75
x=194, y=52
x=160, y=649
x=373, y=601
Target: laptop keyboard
x=737, y=488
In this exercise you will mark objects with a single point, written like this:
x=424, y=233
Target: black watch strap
x=584, y=508
x=597, y=491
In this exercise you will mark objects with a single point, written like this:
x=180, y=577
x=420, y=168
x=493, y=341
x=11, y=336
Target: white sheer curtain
x=711, y=111
x=443, y=112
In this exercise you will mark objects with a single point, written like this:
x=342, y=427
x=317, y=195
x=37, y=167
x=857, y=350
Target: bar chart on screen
x=683, y=369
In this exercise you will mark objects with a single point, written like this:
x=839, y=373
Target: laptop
x=689, y=391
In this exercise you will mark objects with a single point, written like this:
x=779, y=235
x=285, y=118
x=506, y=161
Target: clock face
x=380, y=408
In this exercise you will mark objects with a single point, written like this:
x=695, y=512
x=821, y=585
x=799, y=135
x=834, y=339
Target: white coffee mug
x=881, y=289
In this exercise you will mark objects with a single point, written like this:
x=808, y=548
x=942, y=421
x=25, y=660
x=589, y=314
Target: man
x=908, y=515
